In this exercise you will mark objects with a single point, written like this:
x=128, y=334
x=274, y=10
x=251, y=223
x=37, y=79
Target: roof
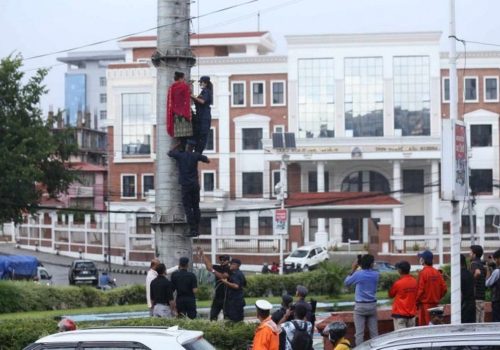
x=105, y=55
x=201, y=36
x=340, y=198
x=87, y=167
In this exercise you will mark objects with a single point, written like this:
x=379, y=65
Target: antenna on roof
x=258, y=21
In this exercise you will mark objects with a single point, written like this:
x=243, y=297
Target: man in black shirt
x=286, y=304
x=187, y=161
x=235, y=301
x=479, y=273
x=468, y=307
x=162, y=294
x=186, y=285
x=220, y=271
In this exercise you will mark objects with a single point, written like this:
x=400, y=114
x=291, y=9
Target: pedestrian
x=151, y=275
x=493, y=282
x=265, y=269
x=220, y=271
x=335, y=332
x=203, y=120
x=162, y=294
x=479, y=273
x=187, y=162
x=186, y=285
x=300, y=294
x=286, y=304
x=365, y=281
x=297, y=334
x=436, y=315
x=267, y=333
x=404, y=292
x=235, y=301
x=468, y=304
x=431, y=287
x=275, y=268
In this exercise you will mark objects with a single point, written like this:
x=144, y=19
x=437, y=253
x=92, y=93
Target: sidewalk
x=65, y=261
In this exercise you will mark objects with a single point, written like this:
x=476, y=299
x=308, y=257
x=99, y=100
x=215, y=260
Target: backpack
x=302, y=340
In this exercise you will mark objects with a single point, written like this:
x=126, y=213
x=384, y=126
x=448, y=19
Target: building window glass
x=265, y=225
x=102, y=81
x=481, y=181
x=252, y=184
x=470, y=89
x=313, y=181
x=205, y=226
x=446, y=90
x=210, y=140
x=491, y=89
x=258, y=98
x=491, y=219
x=208, y=182
x=364, y=96
x=316, y=80
x=103, y=114
x=103, y=98
x=412, y=95
x=465, y=228
x=278, y=93
x=136, y=124
x=143, y=225
x=414, y=225
x=252, y=138
x=238, y=90
x=242, y=226
x=413, y=181
x=480, y=135
x=148, y=183
x=128, y=186
x=375, y=182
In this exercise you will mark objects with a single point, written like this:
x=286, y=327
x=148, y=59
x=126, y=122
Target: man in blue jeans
x=365, y=308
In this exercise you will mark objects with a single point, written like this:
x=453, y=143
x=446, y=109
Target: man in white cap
x=267, y=333
x=436, y=315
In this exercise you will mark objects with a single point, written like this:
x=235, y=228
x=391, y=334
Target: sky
x=34, y=27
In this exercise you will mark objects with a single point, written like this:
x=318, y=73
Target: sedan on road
x=83, y=271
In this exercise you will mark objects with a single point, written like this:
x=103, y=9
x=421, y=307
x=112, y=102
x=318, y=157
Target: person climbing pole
x=203, y=119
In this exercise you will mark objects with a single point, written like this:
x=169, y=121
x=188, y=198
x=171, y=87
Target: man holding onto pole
x=479, y=273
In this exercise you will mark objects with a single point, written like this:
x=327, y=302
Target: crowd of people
x=416, y=301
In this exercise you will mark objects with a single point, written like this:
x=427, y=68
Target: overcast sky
x=34, y=27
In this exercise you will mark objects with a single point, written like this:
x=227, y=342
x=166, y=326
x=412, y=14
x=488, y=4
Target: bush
x=387, y=279
x=16, y=334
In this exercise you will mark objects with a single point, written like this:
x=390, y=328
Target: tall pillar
x=321, y=234
x=397, y=180
x=436, y=214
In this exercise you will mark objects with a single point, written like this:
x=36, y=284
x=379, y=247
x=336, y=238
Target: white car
x=124, y=338
x=306, y=257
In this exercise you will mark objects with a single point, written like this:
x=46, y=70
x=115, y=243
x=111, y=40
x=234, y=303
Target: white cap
x=263, y=305
x=438, y=310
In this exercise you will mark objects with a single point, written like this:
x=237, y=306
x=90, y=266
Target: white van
x=305, y=258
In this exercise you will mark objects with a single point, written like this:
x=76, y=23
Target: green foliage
x=17, y=334
x=204, y=292
x=30, y=152
x=387, y=279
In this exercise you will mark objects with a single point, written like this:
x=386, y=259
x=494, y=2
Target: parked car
x=471, y=336
x=305, y=258
x=83, y=271
x=384, y=266
x=137, y=338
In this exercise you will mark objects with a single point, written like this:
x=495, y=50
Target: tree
x=32, y=157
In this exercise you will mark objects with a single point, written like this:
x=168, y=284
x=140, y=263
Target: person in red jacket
x=404, y=292
x=178, y=102
x=431, y=288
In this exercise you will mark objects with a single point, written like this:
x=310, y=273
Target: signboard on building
x=454, y=161
x=280, y=222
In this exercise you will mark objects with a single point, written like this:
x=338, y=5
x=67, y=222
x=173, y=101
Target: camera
x=292, y=307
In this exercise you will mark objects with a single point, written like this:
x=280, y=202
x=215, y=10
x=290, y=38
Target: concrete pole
x=173, y=54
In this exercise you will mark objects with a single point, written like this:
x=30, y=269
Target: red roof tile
x=201, y=36
x=340, y=198
x=87, y=167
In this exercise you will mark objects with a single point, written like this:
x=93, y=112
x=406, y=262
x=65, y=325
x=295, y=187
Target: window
x=103, y=114
x=252, y=138
x=490, y=89
x=265, y=225
x=242, y=226
x=102, y=81
x=252, y=184
x=278, y=93
x=128, y=186
x=279, y=129
x=136, y=124
x=480, y=135
x=413, y=181
x=414, y=225
x=205, y=226
x=465, y=227
x=276, y=181
x=208, y=181
x=354, y=182
x=258, y=93
x=470, y=89
x=211, y=140
x=446, y=90
x=313, y=181
x=103, y=98
x=148, y=183
x=238, y=94
x=85, y=178
x=491, y=219
x=143, y=225
x=481, y=181
x=316, y=93
x=412, y=95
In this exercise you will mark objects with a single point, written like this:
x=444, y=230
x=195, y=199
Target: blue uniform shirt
x=188, y=166
x=366, y=285
x=203, y=110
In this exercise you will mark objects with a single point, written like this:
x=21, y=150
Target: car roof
x=439, y=333
x=309, y=247
x=149, y=336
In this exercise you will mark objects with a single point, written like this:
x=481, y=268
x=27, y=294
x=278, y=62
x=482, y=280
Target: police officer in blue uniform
x=235, y=301
x=203, y=117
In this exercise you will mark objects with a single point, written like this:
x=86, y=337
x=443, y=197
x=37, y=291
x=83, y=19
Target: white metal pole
x=282, y=194
x=455, y=219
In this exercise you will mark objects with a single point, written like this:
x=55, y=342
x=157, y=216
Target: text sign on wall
x=280, y=222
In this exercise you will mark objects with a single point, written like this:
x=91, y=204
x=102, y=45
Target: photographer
x=286, y=304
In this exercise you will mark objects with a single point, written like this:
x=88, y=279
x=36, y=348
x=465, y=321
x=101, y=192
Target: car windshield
x=199, y=344
x=299, y=253
x=85, y=265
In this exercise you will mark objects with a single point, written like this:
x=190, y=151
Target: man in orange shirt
x=267, y=333
x=404, y=292
x=431, y=288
